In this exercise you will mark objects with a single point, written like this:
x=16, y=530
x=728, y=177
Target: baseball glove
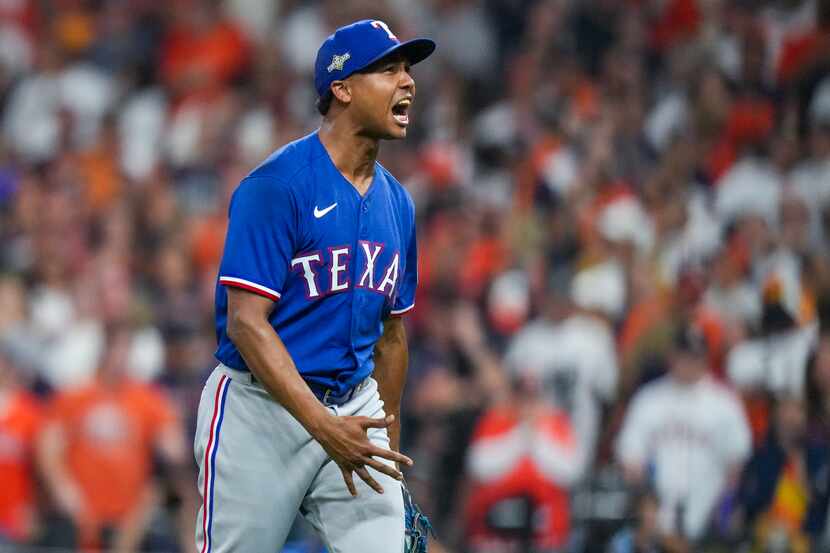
x=418, y=527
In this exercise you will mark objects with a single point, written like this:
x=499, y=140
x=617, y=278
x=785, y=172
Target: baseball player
x=319, y=264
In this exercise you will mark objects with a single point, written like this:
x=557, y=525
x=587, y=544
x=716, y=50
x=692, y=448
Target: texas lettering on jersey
x=336, y=277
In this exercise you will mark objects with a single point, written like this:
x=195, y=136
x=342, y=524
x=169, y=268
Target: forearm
x=468, y=335
x=133, y=527
x=50, y=459
x=54, y=472
x=391, y=363
x=270, y=362
x=489, y=375
x=188, y=509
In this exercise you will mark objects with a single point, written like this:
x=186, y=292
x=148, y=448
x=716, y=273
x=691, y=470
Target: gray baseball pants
x=258, y=466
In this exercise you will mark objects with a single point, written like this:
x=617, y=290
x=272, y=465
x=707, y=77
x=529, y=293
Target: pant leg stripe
x=206, y=496
x=227, y=385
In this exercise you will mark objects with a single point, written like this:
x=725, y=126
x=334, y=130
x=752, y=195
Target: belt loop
x=251, y=379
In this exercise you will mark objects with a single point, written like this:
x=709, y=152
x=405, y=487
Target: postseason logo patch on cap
x=338, y=61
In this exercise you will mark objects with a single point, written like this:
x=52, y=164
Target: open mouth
x=400, y=111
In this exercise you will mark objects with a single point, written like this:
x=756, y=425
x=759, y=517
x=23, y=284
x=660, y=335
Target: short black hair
x=324, y=102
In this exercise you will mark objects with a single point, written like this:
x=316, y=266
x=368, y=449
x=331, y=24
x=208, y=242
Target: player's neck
x=353, y=155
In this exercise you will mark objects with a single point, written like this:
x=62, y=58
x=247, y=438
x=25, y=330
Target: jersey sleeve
x=261, y=237
x=735, y=438
x=604, y=367
x=405, y=300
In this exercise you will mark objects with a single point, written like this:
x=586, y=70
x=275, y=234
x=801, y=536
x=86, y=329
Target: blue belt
x=327, y=396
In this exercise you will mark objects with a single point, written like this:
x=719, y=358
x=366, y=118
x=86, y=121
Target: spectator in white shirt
x=688, y=434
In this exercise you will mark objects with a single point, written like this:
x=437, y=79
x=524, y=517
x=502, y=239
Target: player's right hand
x=347, y=443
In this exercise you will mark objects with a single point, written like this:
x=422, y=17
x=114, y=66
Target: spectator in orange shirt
x=96, y=451
x=19, y=423
x=203, y=50
x=522, y=462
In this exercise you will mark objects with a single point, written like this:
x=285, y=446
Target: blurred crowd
x=622, y=334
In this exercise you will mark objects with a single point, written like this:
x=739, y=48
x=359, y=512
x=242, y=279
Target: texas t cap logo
x=338, y=61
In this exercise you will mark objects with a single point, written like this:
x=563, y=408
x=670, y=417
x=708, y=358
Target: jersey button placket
x=357, y=299
x=364, y=227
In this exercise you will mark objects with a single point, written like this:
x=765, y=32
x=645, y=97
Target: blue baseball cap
x=359, y=45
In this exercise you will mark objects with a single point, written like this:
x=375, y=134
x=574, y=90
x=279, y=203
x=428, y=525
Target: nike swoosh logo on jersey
x=320, y=212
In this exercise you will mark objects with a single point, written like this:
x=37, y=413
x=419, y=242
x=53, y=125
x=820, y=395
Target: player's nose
x=407, y=82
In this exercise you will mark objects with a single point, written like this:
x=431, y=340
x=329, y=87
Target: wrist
x=319, y=422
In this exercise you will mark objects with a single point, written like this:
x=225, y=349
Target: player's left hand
x=346, y=441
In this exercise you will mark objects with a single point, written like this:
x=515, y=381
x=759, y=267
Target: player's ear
x=342, y=91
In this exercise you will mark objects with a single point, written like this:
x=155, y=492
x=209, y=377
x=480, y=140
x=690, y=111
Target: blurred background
x=621, y=337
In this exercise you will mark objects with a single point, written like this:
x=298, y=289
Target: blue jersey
x=336, y=264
